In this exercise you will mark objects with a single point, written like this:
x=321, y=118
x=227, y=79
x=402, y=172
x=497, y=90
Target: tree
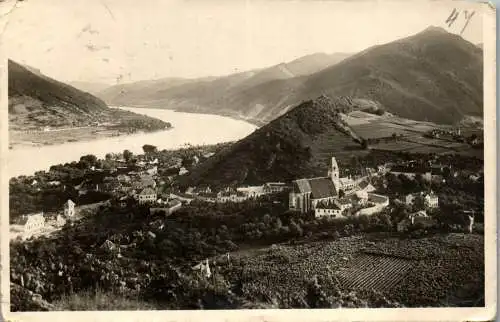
x=88, y=160
x=364, y=144
x=147, y=148
x=127, y=155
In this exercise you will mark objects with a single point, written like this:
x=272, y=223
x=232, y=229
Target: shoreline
x=32, y=140
x=233, y=116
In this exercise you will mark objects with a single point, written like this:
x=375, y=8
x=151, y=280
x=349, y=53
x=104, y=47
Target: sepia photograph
x=248, y=156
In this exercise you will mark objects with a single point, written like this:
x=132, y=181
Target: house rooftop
x=319, y=188
x=147, y=191
x=327, y=205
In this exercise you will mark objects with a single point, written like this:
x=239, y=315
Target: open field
x=430, y=271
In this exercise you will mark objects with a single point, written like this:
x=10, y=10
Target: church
x=307, y=193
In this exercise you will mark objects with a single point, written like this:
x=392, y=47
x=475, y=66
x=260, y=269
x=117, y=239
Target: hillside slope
x=284, y=149
x=37, y=102
x=432, y=76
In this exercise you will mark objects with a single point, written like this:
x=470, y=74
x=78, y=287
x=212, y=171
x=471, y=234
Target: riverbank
x=233, y=115
x=24, y=132
x=29, y=153
x=22, y=139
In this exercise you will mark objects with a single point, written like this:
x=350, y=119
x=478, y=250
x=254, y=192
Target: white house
x=33, y=223
x=431, y=200
x=69, y=209
x=362, y=197
x=203, y=268
x=347, y=184
x=274, y=187
x=328, y=209
x=147, y=195
x=252, y=191
x=60, y=221
x=183, y=171
x=152, y=171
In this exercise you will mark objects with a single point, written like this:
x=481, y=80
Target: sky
x=120, y=41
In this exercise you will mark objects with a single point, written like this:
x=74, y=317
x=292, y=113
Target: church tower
x=334, y=174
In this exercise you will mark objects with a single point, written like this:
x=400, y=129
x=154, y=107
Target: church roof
x=318, y=187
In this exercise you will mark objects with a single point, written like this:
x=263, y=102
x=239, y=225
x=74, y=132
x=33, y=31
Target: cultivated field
x=369, y=272
x=431, y=271
x=410, y=134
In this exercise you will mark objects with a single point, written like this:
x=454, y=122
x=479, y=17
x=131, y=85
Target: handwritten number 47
x=454, y=15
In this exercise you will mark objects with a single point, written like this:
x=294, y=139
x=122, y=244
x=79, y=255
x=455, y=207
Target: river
x=188, y=128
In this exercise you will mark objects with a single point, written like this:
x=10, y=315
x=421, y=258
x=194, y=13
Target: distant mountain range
x=431, y=76
x=297, y=144
x=210, y=94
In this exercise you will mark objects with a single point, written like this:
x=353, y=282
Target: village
x=149, y=181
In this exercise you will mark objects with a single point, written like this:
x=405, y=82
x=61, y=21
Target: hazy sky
x=91, y=40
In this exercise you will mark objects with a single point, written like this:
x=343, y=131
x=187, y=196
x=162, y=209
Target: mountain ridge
x=415, y=77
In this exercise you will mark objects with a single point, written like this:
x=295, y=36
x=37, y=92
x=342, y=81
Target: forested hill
x=284, y=149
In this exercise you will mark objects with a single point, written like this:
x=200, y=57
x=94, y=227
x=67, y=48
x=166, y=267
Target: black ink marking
x=467, y=20
x=453, y=16
x=107, y=8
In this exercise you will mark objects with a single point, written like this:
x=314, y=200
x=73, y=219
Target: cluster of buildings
x=429, y=199
x=239, y=194
x=332, y=195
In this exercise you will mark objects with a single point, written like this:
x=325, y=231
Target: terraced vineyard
x=431, y=271
x=369, y=272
